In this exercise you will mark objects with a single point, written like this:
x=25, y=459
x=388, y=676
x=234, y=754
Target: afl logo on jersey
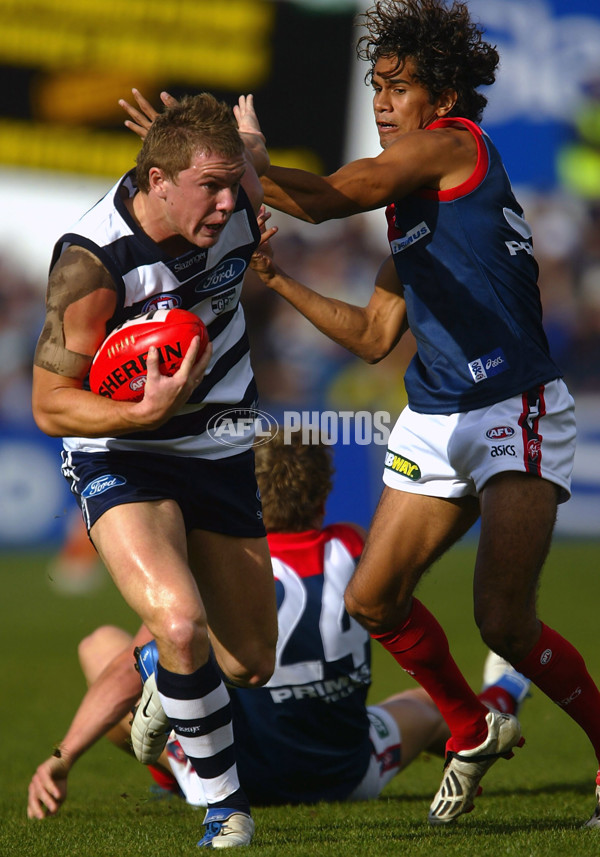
x=162, y=302
x=500, y=433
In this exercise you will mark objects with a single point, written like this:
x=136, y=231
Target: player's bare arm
x=108, y=700
x=370, y=332
x=79, y=286
x=81, y=299
x=438, y=159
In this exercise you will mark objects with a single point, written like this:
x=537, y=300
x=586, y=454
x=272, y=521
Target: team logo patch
x=222, y=302
x=488, y=365
x=102, y=484
x=415, y=234
x=165, y=301
x=404, y=466
x=500, y=433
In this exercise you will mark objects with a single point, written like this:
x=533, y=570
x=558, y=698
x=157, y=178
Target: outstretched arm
x=108, y=699
x=370, y=332
x=433, y=159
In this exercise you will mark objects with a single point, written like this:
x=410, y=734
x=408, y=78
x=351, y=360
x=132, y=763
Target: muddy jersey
x=205, y=281
x=305, y=735
x=465, y=259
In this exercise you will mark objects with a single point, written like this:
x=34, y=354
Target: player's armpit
x=81, y=298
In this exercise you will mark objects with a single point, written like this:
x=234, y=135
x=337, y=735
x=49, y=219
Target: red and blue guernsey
x=304, y=736
x=465, y=259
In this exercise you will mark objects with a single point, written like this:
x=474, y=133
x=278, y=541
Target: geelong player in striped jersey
x=174, y=514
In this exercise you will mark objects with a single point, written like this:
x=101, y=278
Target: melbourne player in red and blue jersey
x=489, y=431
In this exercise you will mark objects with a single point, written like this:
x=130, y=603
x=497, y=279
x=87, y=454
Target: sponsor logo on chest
x=415, y=234
x=223, y=275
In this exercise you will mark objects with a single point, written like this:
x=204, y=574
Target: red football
x=118, y=370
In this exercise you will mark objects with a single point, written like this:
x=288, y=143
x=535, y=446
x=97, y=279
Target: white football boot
x=150, y=727
x=463, y=771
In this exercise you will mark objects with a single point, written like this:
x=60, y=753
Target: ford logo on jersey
x=230, y=269
x=102, y=484
x=488, y=365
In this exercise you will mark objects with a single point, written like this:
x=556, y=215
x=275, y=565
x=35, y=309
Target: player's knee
x=374, y=617
x=263, y=667
x=511, y=640
x=180, y=632
x=254, y=669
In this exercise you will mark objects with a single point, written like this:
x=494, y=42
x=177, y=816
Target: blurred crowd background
x=62, y=144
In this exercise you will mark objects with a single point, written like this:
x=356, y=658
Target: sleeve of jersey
x=349, y=537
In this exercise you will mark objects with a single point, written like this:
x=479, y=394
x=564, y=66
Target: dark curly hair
x=446, y=47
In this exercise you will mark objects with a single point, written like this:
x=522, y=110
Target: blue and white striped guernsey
x=206, y=281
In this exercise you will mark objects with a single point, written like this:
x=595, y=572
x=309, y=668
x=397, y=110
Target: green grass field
x=532, y=806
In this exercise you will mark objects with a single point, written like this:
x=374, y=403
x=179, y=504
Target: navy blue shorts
x=217, y=495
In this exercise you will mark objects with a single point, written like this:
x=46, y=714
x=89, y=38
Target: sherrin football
x=118, y=370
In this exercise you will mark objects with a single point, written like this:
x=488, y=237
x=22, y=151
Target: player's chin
x=206, y=237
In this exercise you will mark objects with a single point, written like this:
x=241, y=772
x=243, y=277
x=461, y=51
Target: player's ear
x=157, y=181
x=446, y=101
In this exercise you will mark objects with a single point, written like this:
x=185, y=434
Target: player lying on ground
x=308, y=735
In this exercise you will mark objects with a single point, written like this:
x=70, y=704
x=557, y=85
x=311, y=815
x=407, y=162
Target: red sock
x=557, y=668
x=165, y=781
x=421, y=648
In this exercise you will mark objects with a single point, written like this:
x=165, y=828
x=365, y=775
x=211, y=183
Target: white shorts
x=386, y=754
x=453, y=455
